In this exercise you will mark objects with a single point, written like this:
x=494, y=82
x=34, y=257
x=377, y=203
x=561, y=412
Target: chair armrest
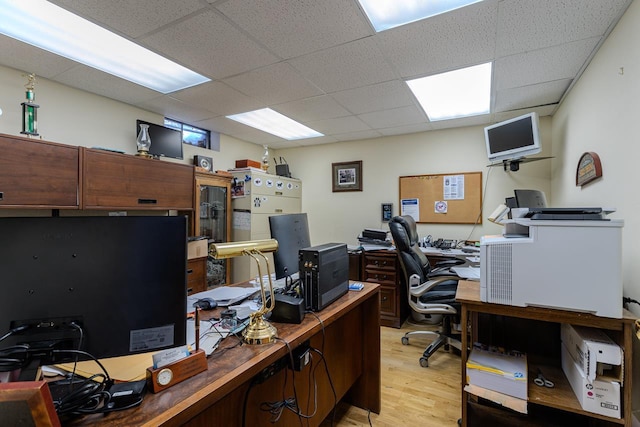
x=417, y=289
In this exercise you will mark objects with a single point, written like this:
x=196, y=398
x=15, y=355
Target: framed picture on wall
x=347, y=176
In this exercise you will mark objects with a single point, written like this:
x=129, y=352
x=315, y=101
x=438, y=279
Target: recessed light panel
x=459, y=93
x=272, y=122
x=52, y=28
x=386, y=14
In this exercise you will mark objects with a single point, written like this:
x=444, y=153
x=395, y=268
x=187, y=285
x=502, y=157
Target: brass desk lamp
x=259, y=331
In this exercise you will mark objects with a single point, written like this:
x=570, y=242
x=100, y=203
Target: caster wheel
x=405, y=341
x=446, y=347
x=424, y=362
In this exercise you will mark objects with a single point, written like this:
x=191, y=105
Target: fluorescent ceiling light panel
x=459, y=93
x=49, y=27
x=386, y=14
x=272, y=122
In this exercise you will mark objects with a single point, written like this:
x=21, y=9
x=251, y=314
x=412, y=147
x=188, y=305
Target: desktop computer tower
x=324, y=274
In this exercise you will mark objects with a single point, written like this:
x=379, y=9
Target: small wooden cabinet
x=38, y=174
x=382, y=267
x=120, y=181
x=196, y=275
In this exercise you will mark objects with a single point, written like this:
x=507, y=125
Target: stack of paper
x=494, y=369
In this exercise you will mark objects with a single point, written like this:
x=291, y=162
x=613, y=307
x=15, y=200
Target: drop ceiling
x=320, y=62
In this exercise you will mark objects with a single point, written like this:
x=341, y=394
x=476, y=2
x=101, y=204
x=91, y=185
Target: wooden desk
x=537, y=326
x=351, y=345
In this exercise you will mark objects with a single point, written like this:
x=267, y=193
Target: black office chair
x=430, y=292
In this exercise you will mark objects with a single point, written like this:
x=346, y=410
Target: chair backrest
x=405, y=236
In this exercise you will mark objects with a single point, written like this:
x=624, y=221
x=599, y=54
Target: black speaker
x=203, y=162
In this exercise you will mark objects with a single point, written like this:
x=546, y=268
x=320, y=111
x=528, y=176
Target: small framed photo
x=27, y=403
x=347, y=176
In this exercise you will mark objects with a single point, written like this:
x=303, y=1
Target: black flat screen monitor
x=530, y=198
x=121, y=279
x=292, y=233
x=514, y=138
x=165, y=142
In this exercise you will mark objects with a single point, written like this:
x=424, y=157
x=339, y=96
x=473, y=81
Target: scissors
x=541, y=381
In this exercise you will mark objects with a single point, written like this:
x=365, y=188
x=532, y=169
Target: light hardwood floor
x=411, y=395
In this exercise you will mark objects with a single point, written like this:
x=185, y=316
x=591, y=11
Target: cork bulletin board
x=452, y=198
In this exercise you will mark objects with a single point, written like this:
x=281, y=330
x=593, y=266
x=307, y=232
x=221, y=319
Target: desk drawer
x=380, y=276
x=388, y=301
x=380, y=262
x=196, y=275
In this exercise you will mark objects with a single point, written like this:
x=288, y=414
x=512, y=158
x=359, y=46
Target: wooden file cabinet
x=382, y=267
x=196, y=275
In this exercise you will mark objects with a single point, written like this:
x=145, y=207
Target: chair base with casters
x=445, y=337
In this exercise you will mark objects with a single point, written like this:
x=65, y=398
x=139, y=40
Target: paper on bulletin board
x=410, y=207
x=453, y=187
x=241, y=220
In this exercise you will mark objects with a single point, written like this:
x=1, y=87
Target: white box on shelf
x=597, y=396
x=593, y=350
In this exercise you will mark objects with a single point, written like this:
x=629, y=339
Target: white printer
x=565, y=264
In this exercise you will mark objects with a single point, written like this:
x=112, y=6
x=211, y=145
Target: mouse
x=205, y=304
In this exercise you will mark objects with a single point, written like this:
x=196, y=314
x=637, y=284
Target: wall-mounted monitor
x=514, y=138
x=165, y=142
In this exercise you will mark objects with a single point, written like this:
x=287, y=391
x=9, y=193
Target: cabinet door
x=212, y=219
x=120, y=181
x=38, y=174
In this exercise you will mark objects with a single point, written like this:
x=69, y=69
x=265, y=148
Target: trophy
x=29, y=109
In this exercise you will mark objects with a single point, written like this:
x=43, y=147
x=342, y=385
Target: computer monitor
x=122, y=280
x=530, y=199
x=292, y=233
x=513, y=139
x=165, y=142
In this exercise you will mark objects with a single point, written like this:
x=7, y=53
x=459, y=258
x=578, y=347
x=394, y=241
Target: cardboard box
x=597, y=396
x=493, y=369
x=246, y=163
x=597, y=355
x=197, y=249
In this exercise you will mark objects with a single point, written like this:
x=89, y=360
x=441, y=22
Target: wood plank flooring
x=411, y=395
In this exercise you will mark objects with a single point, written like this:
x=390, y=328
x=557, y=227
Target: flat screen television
x=165, y=142
x=121, y=279
x=292, y=233
x=513, y=139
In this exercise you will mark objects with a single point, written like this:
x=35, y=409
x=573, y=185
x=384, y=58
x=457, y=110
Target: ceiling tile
x=525, y=25
x=210, y=45
x=394, y=117
x=375, y=97
x=131, y=18
x=338, y=125
x=543, y=65
x=530, y=96
x=30, y=59
x=218, y=98
x=452, y=40
x=315, y=108
x=176, y=109
x=274, y=84
x=355, y=64
x=406, y=129
x=353, y=136
x=291, y=28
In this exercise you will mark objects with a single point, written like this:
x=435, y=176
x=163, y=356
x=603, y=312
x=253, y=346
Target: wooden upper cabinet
x=121, y=181
x=38, y=174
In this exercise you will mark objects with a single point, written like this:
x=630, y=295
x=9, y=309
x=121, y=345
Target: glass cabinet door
x=212, y=220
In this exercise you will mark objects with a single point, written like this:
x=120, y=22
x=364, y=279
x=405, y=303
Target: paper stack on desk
x=494, y=369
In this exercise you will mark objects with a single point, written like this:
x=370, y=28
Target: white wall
x=342, y=216
x=72, y=116
x=600, y=115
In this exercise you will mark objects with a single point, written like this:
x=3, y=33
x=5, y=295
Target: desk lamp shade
x=259, y=331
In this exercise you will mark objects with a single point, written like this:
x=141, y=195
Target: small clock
x=203, y=162
x=164, y=376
